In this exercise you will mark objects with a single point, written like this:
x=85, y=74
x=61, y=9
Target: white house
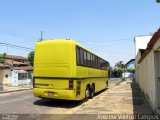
x=19, y=77
x=141, y=42
x=15, y=71
x=148, y=68
x=129, y=65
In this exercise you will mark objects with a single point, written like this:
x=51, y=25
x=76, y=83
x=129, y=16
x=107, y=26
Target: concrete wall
x=5, y=76
x=16, y=81
x=7, y=80
x=138, y=56
x=1, y=76
x=146, y=76
x=8, y=77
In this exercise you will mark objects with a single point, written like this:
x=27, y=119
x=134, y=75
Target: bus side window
x=85, y=58
x=93, y=60
x=98, y=61
x=78, y=55
x=88, y=59
x=81, y=57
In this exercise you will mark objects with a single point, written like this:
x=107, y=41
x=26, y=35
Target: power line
x=28, y=49
x=104, y=41
x=15, y=46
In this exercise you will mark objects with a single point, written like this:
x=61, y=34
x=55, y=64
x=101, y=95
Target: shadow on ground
x=140, y=104
x=58, y=103
x=62, y=103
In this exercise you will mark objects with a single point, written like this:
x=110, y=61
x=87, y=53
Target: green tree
x=31, y=57
x=119, y=68
x=158, y=1
x=120, y=64
x=132, y=70
x=2, y=58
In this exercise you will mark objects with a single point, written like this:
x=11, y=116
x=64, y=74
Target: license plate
x=50, y=93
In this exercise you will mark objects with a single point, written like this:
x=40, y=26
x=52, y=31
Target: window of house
x=6, y=75
x=22, y=76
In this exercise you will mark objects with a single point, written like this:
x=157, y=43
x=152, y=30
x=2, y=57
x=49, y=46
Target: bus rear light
x=70, y=84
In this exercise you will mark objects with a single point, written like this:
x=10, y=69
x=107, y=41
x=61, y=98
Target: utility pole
x=12, y=64
x=41, y=39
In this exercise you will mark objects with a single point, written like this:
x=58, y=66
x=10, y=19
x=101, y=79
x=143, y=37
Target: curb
x=2, y=92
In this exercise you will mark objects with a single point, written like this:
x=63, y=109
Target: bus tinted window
x=78, y=55
x=87, y=59
x=93, y=60
x=81, y=57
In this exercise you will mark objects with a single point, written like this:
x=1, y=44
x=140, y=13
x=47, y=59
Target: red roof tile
x=26, y=68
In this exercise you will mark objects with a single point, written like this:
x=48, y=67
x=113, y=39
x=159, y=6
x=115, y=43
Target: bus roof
x=69, y=41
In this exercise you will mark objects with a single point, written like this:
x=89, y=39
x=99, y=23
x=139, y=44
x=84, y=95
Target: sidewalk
x=7, y=89
x=122, y=98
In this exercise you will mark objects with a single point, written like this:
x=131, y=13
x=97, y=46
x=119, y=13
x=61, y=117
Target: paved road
x=23, y=102
x=110, y=101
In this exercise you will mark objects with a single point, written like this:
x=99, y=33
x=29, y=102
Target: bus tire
x=92, y=92
x=87, y=93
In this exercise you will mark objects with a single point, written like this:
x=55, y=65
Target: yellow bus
x=63, y=69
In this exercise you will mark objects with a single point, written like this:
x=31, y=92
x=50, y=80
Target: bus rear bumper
x=55, y=94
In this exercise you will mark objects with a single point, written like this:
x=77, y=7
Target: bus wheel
x=92, y=92
x=87, y=93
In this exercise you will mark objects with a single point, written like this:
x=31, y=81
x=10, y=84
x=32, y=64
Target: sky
x=106, y=27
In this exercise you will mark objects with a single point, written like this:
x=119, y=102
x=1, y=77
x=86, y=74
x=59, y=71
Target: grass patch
x=122, y=80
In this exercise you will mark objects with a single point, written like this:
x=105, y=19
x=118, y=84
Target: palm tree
x=119, y=68
x=120, y=65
